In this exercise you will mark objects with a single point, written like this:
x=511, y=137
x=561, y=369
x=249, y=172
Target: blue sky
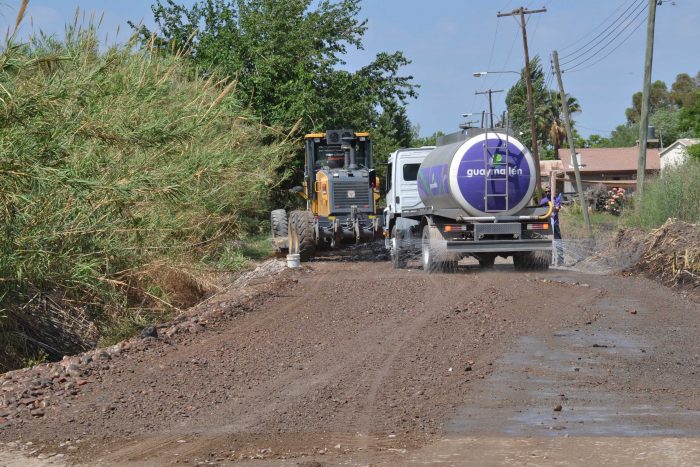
x=448, y=40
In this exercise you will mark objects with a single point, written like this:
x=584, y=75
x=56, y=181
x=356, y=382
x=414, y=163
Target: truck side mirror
x=296, y=189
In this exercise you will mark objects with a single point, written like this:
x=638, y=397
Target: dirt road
x=357, y=363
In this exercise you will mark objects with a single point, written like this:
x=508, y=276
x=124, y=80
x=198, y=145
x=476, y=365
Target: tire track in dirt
x=152, y=447
x=400, y=339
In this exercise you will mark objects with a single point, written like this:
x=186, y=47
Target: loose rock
x=149, y=331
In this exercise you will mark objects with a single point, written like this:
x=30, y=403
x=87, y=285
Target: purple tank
x=486, y=175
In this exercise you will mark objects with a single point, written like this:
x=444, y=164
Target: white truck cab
x=402, y=191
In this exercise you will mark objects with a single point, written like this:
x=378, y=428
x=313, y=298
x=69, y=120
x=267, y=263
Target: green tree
x=286, y=56
x=597, y=141
x=683, y=90
x=426, y=140
x=393, y=131
x=549, y=119
x=624, y=136
x=659, y=98
x=516, y=102
x=554, y=119
x=667, y=124
x=689, y=121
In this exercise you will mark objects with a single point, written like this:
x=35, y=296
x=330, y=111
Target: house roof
x=609, y=159
x=686, y=142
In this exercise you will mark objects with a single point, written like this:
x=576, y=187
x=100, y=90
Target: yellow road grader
x=341, y=190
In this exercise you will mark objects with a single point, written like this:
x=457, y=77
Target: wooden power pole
x=522, y=11
x=489, y=92
x=570, y=138
x=644, y=120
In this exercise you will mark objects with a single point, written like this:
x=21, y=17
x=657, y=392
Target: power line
x=578, y=67
x=580, y=39
x=493, y=47
x=576, y=55
x=594, y=129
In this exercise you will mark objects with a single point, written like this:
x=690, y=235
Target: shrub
x=113, y=161
x=676, y=194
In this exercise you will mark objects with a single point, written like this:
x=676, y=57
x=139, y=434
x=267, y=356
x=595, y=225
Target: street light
x=479, y=74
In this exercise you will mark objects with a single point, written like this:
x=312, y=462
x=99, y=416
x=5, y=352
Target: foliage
x=675, y=113
x=667, y=124
x=554, y=119
x=516, y=102
x=689, y=121
x=669, y=196
x=573, y=226
x=659, y=98
x=549, y=119
x=117, y=160
x=393, y=131
x=287, y=57
x=684, y=89
x=623, y=136
x=694, y=152
x=426, y=140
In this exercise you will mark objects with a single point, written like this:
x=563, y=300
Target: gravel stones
x=149, y=331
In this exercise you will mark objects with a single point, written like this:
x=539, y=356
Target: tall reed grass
x=673, y=194
x=115, y=164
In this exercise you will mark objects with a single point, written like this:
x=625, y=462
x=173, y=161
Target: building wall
x=591, y=178
x=675, y=157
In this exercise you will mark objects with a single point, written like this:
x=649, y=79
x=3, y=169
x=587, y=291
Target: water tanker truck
x=471, y=195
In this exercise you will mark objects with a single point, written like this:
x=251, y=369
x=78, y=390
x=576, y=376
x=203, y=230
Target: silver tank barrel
x=488, y=174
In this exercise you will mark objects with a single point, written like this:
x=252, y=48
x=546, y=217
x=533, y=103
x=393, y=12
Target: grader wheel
x=301, y=234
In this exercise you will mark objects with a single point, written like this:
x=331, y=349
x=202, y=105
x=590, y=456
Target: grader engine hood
x=348, y=189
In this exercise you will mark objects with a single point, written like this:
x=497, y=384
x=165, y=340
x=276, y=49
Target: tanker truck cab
x=402, y=191
x=471, y=196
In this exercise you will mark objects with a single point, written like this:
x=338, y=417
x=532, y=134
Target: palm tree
x=555, y=119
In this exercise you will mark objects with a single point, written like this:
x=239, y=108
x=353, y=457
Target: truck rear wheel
x=398, y=254
x=486, y=261
x=279, y=225
x=433, y=259
x=301, y=234
x=532, y=261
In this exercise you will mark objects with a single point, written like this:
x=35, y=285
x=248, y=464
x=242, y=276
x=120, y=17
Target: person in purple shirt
x=555, y=224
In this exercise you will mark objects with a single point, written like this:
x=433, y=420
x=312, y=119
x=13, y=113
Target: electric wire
x=595, y=129
x=570, y=58
x=580, y=39
x=493, y=47
x=577, y=67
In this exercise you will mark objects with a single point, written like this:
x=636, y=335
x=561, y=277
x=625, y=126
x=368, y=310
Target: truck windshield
x=361, y=155
x=332, y=157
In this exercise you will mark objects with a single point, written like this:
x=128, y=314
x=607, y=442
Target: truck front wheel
x=398, y=255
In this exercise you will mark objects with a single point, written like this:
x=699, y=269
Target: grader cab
x=340, y=189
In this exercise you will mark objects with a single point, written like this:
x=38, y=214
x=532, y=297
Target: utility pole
x=644, y=120
x=570, y=137
x=489, y=92
x=522, y=11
